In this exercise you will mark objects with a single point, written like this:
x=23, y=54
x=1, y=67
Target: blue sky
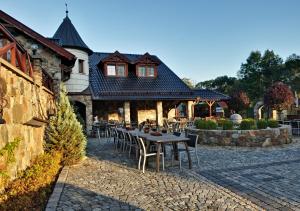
x=198, y=39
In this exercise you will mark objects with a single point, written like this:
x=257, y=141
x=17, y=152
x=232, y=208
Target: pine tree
x=64, y=132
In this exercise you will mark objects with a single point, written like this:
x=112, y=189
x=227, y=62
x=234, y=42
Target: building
x=129, y=87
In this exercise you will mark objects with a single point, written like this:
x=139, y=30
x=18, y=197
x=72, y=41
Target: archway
x=80, y=110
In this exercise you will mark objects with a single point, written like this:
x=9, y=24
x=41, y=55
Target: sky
x=197, y=39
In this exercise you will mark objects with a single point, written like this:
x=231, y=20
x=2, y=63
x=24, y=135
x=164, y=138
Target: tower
x=68, y=37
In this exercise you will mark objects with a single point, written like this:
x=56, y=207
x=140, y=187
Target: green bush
x=64, y=132
x=247, y=124
x=225, y=124
x=262, y=124
x=273, y=123
x=206, y=124
x=34, y=185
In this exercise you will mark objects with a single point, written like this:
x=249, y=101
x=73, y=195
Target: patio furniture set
x=151, y=143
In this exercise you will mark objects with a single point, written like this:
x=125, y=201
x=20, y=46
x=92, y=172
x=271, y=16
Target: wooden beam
x=210, y=104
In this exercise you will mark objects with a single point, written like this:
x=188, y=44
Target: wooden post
x=13, y=55
x=210, y=104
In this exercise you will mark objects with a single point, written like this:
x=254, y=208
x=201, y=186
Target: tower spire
x=67, y=11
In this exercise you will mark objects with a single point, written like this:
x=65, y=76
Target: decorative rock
x=236, y=118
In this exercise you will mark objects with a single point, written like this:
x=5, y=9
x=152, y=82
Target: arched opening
x=80, y=110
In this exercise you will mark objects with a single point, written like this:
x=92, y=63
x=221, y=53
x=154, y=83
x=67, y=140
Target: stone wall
x=87, y=101
x=244, y=138
x=143, y=115
x=25, y=100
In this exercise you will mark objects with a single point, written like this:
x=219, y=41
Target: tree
x=222, y=84
x=292, y=72
x=188, y=82
x=239, y=101
x=260, y=72
x=65, y=133
x=279, y=97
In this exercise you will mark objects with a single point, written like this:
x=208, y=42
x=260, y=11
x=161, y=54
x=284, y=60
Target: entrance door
x=133, y=112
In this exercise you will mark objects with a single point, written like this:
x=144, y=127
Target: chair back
x=141, y=144
x=193, y=140
x=127, y=136
x=120, y=134
x=177, y=134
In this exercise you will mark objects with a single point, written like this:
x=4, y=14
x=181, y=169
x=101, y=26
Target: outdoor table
x=163, y=139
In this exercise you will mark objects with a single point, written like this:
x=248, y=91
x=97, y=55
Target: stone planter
x=245, y=138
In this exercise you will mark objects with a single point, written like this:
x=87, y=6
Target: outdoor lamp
x=34, y=48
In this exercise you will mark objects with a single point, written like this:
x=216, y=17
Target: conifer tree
x=64, y=132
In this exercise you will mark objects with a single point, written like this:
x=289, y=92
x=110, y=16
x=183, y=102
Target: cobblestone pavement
x=107, y=180
x=269, y=177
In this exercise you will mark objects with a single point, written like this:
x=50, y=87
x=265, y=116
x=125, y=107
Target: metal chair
x=144, y=154
x=192, y=147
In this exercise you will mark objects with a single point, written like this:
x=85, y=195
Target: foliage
x=279, y=97
x=222, y=84
x=225, y=124
x=33, y=187
x=188, y=82
x=205, y=124
x=273, y=123
x=8, y=151
x=65, y=133
x=247, y=124
x=260, y=72
x=261, y=124
x=292, y=72
x=239, y=101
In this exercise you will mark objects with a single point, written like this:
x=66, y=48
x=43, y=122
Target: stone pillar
x=37, y=70
x=89, y=114
x=190, y=109
x=159, y=113
x=127, y=112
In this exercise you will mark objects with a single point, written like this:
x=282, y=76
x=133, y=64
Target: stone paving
x=107, y=180
x=269, y=177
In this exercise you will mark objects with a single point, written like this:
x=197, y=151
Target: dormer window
x=116, y=70
x=146, y=71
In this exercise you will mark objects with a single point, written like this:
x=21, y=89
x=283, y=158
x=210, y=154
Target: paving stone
x=109, y=180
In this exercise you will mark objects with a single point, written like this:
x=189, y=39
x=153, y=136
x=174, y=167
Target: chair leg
x=144, y=164
x=129, y=149
x=179, y=157
x=197, y=158
x=139, y=165
x=163, y=161
x=172, y=160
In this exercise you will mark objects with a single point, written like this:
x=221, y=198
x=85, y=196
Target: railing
x=47, y=80
x=13, y=52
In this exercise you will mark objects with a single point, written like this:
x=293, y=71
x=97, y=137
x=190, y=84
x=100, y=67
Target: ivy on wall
x=8, y=153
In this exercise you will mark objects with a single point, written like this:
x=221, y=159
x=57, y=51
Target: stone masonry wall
x=245, y=138
x=23, y=104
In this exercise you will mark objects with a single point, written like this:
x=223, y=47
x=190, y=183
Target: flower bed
x=246, y=138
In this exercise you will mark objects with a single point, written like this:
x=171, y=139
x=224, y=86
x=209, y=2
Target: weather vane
x=66, y=9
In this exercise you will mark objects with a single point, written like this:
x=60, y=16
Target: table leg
x=158, y=156
x=188, y=154
x=175, y=150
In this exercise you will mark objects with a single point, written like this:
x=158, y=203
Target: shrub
x=206, y=124
x=225, y=124
x=247, y=124
x=272, y=123
x=262, y=124
x=34, y=185
x=65, y=133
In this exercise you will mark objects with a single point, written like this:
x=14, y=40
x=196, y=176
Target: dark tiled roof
x=206, y=94
x=69, y=37
x=167, y=85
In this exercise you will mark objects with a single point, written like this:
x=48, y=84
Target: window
x=116, y=70
x=111, y=70
x=142, y=71
x=146, y=71
x=80, y=66
x=150, y=71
